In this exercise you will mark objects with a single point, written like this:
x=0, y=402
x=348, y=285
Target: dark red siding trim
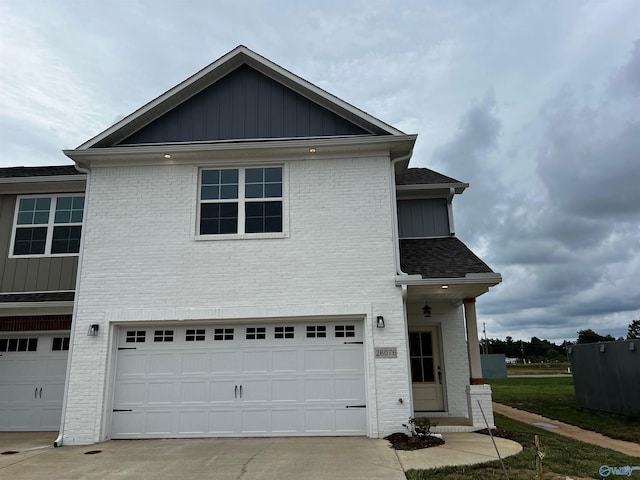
x=38, y=322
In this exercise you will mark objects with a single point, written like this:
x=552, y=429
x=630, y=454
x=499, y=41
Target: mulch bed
x=498, y=433
x=400, y=441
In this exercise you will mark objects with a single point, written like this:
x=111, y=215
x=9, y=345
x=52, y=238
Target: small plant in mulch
x=420, y=436
x=496, y=432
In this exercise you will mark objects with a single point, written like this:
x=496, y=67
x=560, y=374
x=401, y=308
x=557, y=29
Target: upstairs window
x=47, y=225
x=240, y=201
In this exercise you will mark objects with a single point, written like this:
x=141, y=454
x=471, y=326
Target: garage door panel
x=163, y=363
x=194, y=392
x=223, y=422
x=255, y=391
x=318, y=360
x=349, y=420
x=255, y=421
x=50, y=417
x=348, y=389
x=224, y=362
x=161, y=422
x=28, y=367
x=195, y=363
x=285, y=390
x=161, y=393
x=130, y=393
x=131, y=363
x=238, y=386
x=318, y=389
x=320, y=420
x=193, y=422
x=128, y=424
x=256, y=361
x=286, y=421
x=284, y=361
x=223, y=391
x=349, y=359
x=53, y=391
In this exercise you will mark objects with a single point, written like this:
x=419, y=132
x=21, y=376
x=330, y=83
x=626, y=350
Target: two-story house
x=41, y=210
x=258, y=259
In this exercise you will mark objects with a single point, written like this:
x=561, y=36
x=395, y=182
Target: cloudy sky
x=535, y=103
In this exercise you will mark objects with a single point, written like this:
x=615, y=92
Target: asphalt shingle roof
x=15, y=172
x=439, y=258
x=423, y=176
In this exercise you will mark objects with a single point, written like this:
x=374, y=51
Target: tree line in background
x=538, y=350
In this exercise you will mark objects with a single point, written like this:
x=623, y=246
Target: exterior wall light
x=426, y=310
x=380, y=322
x=93, y=330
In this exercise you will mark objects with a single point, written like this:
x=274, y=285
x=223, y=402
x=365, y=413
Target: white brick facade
x=142, y=263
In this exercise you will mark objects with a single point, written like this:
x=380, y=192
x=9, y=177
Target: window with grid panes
x=47, y=225
x=240, y=200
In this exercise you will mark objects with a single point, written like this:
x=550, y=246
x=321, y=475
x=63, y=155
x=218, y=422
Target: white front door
x=426, y=370
x=32, y=373
x=240, y=380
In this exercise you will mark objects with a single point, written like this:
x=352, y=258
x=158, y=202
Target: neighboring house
x=40, y=228
x=259, y=260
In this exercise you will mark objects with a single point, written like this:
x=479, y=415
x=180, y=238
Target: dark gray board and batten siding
x=30, y=274
x=245, y=104
x=423, y=218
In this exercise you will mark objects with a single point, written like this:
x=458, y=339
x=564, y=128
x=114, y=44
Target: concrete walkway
x=348, y=458
x=628, y=448
x=459, y=449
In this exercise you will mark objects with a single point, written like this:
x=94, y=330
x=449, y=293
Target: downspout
x=396, y=254
x=394, y=213
x=58, y=441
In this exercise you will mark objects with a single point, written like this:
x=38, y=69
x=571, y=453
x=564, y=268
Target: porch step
x=451, y=424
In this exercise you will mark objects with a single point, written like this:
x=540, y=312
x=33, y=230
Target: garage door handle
x=240, y=391
x=40, y=392
x=35, y=393
x=236, y=394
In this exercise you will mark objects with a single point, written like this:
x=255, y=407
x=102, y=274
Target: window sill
x=241, y=236
x=45, y=255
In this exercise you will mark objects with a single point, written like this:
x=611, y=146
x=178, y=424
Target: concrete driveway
x=351, y=458
x=243, y=458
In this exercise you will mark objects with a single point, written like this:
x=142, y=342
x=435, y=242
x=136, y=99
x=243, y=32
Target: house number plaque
x=386, y=352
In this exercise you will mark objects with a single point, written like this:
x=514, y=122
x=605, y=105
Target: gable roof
x=225, y=65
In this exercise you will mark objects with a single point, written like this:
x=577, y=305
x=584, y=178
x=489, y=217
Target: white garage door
x=240, y=380
x=32, y=372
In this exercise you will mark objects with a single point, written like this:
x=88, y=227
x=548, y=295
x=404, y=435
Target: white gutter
x=489, y=279
x=58, y=441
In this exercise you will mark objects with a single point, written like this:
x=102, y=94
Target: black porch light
x=426, y=310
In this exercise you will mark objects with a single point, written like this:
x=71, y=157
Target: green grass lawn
x=563, y=457
x=545, y=368
x=555, y=398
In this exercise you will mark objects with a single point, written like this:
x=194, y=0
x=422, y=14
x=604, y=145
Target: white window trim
x=241, y=202
x=50, y=225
